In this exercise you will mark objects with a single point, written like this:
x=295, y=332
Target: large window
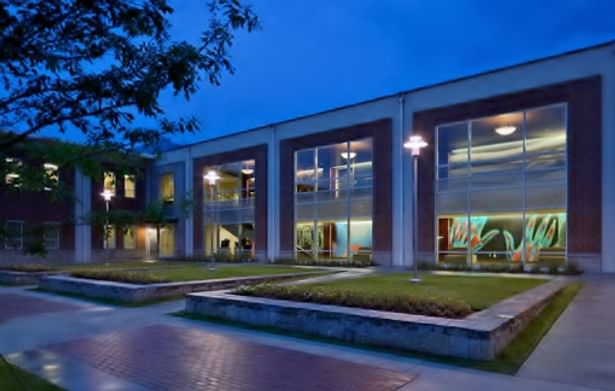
x=167, y=241
x=109, y=235
x=52, y=175
x=167, y=188
x=130, y=237
x=333, y=201
x=501, y=188
x=130, y=188
x=229, y=210
x=109, y=182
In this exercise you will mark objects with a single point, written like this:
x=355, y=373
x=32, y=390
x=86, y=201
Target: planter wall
x=135, y=293
x=480, y=336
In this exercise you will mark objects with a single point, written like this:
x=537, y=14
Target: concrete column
x=189, y=219
x=273, y=196
x=608, y=171
x=398, y=221
x=83, y=206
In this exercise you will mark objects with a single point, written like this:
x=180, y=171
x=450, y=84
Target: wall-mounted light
x=505, y=130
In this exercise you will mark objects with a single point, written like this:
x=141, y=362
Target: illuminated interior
x=229, y=210
x=501, y=189
x=333, y=201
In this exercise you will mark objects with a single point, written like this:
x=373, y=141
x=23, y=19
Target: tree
x=96, y=66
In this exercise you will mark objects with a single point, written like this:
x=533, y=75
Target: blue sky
x=313, y=55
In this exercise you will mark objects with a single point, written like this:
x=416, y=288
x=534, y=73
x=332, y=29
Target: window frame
x=7, y=239
x=526, y=157
x=132, y=180
x=57, y=236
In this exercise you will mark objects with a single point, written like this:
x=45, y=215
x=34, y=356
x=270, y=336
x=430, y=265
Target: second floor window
x=12, y=177
x=167, y=188
x=109, y=182
x=52, y=175
x=130, y=189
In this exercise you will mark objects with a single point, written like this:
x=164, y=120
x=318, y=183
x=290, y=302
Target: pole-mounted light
x=415, y=144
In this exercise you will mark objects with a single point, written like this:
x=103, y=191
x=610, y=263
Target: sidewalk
x=580, y=348
x=97, y=347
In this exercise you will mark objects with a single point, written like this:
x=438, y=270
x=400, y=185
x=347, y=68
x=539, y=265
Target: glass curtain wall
x=229, y=210
x=501, y=189
x=333, y=201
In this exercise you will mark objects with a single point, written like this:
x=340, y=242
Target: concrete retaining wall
x=22, y=278
x=480, y=336
x=135, y=293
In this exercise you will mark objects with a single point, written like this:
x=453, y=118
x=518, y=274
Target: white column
x=273, y=196
x=83, y=206
x=189, y=219
x=398, y=243
x=608, y=171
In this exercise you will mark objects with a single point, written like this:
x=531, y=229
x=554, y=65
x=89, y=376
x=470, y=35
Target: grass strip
x=13, y=378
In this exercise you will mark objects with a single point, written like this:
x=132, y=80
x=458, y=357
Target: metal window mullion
x=524, y=189
x=315, y=244
x=348, y=161
x=469, y=194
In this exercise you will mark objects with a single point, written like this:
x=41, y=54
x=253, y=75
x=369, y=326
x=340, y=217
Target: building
x=520, y=168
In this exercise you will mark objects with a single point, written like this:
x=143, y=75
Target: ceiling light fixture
x=505, y=130
x=348, y=155
x=247, y=171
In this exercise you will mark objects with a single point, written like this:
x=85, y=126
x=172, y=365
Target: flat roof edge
x=403, y=92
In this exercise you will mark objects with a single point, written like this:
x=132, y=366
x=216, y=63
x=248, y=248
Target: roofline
x=404, y=92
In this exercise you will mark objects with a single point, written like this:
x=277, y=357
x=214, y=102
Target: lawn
x=13, y=378
x=186, y=273
x=436, y=295
x=479, y=292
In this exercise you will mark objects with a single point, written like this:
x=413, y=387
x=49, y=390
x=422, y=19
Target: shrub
x=395, y=303
x=355, y=262
x=27, y=267
x=221, y=258
x=132, y=277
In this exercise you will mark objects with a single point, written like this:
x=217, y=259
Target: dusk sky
x=313, y=55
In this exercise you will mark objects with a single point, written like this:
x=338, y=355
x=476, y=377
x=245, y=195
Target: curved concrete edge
x=136, y=293
x=480, y=336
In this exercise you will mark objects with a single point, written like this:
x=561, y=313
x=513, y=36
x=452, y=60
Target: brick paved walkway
x=14, y=306
x=164, y=357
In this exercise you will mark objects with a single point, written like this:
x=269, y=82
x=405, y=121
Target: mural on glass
x=501, y=188
x=333, y=201
x=229, y=209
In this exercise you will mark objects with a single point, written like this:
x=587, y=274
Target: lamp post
x=211, y=178
x=107, y=195
x=414, y=144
